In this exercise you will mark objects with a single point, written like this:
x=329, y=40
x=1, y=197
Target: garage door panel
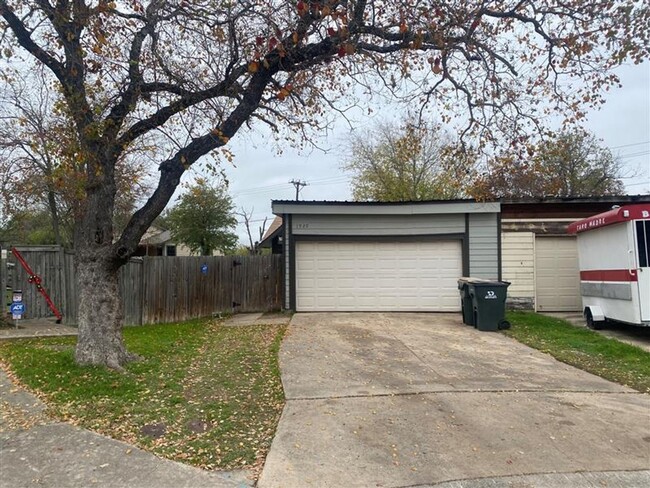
x=376, y=276
x=557, y=282
x=346, y=282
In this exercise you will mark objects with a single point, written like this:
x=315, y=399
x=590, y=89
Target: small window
x=643, y=242
x=170, y=250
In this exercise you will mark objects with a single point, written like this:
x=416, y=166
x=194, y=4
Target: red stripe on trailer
x=624, y=275
x=626, y=213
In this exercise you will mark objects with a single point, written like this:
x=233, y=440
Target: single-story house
x=342, y=255
x=370, y=256
x=539, y=257
x=159, y=242
x=273, y=236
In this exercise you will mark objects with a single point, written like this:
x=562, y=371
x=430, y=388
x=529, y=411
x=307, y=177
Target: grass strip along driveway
x=583, y=348
x=204, y=394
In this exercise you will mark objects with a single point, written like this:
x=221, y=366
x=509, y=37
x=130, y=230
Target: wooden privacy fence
x=155, y=289
x=54, y=265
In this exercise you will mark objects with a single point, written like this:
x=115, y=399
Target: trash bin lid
x=477, y=280
x=495, y=283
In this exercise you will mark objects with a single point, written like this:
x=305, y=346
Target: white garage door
x=557, y=283
x=378, y=276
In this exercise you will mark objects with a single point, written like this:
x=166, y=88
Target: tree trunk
x=100, y=318
x=51, y=200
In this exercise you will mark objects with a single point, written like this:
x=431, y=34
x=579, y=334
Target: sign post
x=17, y=307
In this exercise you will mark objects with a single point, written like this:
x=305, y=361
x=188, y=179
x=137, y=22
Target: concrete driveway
x=397, y=400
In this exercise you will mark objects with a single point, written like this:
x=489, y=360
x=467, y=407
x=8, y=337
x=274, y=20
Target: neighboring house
x=158, y=242
x=273, y=236
x=350, y=256
x=539, y=257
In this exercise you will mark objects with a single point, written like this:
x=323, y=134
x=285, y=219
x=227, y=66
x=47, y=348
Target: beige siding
x=557, y=274
x=182, y=250
x=518, y=261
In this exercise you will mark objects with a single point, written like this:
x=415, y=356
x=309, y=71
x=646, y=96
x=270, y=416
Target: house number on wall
x=302, y=226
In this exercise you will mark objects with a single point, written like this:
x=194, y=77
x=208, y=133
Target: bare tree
x=253, y=246
x=195, y=73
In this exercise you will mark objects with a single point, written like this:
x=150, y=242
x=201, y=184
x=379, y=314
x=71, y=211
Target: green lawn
x=583, y=348
x=204, y=394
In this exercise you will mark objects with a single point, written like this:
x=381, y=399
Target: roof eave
x=281, y=207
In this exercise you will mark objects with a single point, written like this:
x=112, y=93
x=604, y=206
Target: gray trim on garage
x=290, y=271
x=377, y=225
x=381, y=238
x=466, y=247
x=499, y=249
x=483, y=246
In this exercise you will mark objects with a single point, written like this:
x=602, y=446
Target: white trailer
x=614, y=258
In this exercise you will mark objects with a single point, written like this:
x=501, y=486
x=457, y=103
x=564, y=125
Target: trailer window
x=643, y=241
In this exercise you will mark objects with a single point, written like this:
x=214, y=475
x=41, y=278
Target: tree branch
x=25, y=40
x=172, y=169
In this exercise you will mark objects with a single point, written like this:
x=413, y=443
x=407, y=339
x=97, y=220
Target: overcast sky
x=259, y=175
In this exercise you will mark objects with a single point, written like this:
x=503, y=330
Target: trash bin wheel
x=504, y=325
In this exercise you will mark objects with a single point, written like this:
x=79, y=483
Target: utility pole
x=298, y=184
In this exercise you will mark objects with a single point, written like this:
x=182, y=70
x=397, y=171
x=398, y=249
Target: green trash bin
x=489, y=304
x=466, y=301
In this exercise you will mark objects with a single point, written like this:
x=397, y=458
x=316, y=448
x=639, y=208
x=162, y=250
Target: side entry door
x=642, y=230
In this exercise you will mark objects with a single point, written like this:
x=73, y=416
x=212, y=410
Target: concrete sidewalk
x=37, y=451
x=46, y=327
x=404, y=400
x=258, y=318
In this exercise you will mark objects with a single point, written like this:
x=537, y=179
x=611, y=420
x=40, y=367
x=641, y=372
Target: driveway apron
x=397, y=400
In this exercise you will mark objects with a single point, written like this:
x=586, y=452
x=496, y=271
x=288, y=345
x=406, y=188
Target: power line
x=274, y=187
x=630, y=145
x=333, y=181
x=634, y=155
x=260, y=189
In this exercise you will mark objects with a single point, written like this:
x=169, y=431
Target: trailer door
x=643, y=260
